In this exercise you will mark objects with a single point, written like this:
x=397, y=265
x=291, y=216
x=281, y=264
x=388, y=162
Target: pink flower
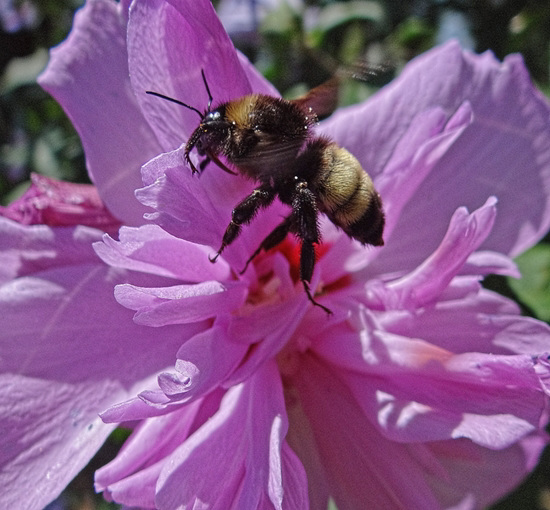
x=422, y=388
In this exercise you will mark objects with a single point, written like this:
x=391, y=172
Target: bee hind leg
x=307, y=261
x=305, y=209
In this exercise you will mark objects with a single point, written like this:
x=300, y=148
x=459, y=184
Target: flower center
x=271, y=279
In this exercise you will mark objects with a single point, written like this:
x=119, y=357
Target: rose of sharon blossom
x=422, y=390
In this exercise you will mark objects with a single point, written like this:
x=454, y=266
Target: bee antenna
x=207, y=89
x=177, y=101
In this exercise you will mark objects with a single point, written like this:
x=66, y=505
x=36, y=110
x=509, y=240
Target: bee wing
x=322, y=99
x=270, y=157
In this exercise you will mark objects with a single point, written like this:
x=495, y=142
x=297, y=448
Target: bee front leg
x=305, y=210
x=244, y=213
x=212, y=157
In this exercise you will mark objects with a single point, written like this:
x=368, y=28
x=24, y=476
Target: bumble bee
x=271, y=141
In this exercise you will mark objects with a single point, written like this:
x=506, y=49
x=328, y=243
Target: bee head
x=211, y=131
x=209, y=135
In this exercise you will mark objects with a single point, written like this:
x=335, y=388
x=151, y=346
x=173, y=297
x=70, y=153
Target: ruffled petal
x=180, y=304
x=508, y=134
x=199, y=209
x=431, y=475
x=183, y=203
x=415, y=391
x=425, y=284
x=246, y=439
x=479, y=322
x=132, y=476
x=57, y=203
x=65, y=338
x=150, y=249
x=203, y=363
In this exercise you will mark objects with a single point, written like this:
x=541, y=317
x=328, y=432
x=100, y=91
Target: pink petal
x=265, y=338
x=180, y=304
x=25, y=250
x=294, y=481
x=426, y=283
x=490, y=262
x=136, y=408
x=64, y=337
x=204, y=363
x=417, y=392
x=75, y=317
x=543, y=371
x=509, y=134
x=303, y=442
x=131, y=477
x=493, y=401
x=427, y=140
x=245, y=437
x=173, y=65
x=149, y=249
x=470, y=471
x=183, y=203
x=88, y=75
x=485, y=322
x=429, y=473
x=50, y=431
x=359, y=464
x=136, y=490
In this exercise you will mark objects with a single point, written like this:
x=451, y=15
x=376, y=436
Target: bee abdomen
x=348, y=197
x=369, y=227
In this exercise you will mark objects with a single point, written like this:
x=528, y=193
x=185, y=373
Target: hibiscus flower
x=421, y=390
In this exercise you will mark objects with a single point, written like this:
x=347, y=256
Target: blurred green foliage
x=296, y=44
x=533, y=288
x=35, y=134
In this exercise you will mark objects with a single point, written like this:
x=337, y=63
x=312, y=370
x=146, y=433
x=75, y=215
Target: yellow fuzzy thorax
x=238, y=111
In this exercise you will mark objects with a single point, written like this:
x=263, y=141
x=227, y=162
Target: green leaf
x=533, y=288
x=340, y=13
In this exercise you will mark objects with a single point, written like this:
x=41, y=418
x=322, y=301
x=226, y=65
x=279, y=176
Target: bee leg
x=305, y=210
x=243, y=214
x=190, y=163
x=204, y=163
x=207, y=160
x=212, y=157
x=273, y=239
